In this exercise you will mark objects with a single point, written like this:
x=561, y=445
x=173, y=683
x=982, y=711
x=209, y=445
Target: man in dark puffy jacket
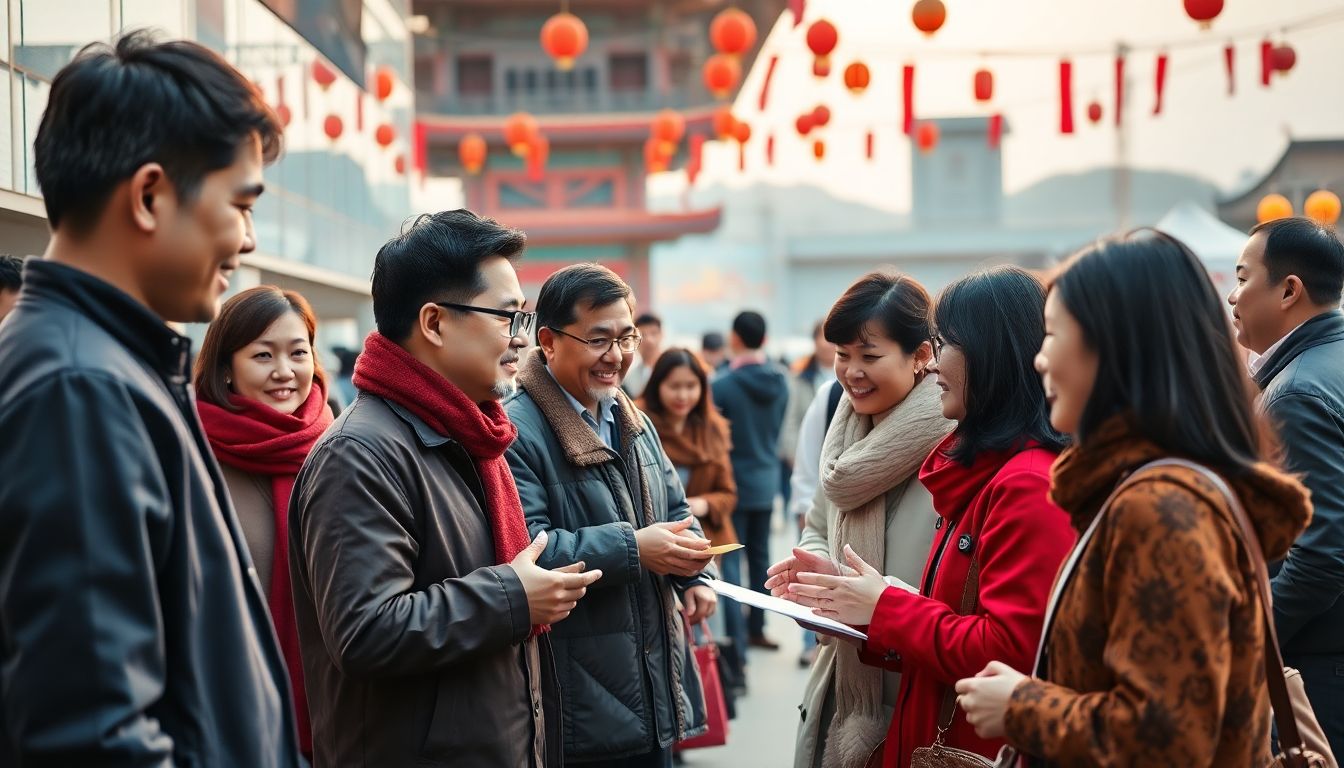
x=1286, y=312
x=133, y=630
x=592, y=473
x=753, y=395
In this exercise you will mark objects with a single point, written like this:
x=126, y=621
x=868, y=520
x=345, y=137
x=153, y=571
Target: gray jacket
x=625, y=673
x=1303, y=395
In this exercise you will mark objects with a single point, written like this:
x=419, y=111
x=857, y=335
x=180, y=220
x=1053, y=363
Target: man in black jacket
x=592, y=473
x=421, y=625
x=132, y=626
x=1286, y=312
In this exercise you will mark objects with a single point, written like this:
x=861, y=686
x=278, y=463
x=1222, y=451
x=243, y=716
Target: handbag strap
x=970, y=598
x=1290, y=739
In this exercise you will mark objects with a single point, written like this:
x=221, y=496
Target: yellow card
x=724, y=548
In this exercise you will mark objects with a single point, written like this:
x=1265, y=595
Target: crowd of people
x=1026, y=491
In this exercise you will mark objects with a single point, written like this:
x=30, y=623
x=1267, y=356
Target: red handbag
x=706, y=656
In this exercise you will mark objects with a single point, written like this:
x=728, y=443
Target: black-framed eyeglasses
x=519, y=320
x=938, y=344
x=601, y=345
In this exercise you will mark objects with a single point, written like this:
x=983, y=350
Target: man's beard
x=504, y=387
x=603, y=393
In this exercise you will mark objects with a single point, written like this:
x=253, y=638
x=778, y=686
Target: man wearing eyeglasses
x=421, y=609
x=592, y=474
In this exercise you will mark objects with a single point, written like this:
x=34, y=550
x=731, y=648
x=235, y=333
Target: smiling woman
x=262, y=400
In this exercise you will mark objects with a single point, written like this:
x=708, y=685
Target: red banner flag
x=908, y=99
x=765, y=86
x=1230, y=64
x=1119, y=88
x=1161, y=83
x=1065, y=96
x=994, y=132
x=1266, y=62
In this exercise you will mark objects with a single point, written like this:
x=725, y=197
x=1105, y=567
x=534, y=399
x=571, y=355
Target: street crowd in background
x=1046, y=501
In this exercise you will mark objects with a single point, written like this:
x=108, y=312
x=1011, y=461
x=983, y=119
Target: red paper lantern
x=668, y=127
x=1204, y=11
x=656, y=157
x=822, y=39
x=1282, y=58
x=283, y=113
x=804, y=124
x=564, y=37
x=472, y=151
x=929, y=15
x=385, y=134
x=384, y=81
x=857, y=77
x=333, y=127
x=984, y=85
x=722, y=74
x=322, y=74
x=399, y=165
x=538, y=152
x=926, y=137
x=732, y=32
x=821, y=116
x=1094, y=112
x=723, y=122
x=519, y=130
x=742, y=132
x=819, y=149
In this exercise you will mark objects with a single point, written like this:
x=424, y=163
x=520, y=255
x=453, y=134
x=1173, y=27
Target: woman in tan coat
x=695, y=438
x=870, y=498
x=1156, y=653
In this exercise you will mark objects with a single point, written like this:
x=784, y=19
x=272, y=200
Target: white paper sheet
x=798, y=613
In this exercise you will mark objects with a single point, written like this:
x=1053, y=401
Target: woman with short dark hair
x=870, y=498
x=261, y=394
x=999, y=541
x=1155, y=651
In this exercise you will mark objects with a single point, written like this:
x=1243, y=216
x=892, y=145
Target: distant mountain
x=1085, y=198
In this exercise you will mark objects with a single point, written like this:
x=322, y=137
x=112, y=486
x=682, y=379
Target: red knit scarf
x=483, y=429
x=259, y=439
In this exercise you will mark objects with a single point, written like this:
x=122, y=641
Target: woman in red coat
x=989, y=481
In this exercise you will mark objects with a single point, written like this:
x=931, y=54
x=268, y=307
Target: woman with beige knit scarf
x=870, y=498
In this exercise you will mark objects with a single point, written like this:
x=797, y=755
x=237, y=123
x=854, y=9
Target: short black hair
x=648, y=318
x=437, y=258
x=591, y=285
x=750, y=328
x=1166, y=358
x=895, y=301
x=115, y=108
x=1308, y=249
x=11, y=272
x=996, y=319
x=711, y=341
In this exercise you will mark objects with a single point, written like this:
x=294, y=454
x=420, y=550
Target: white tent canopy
x=1215, y=243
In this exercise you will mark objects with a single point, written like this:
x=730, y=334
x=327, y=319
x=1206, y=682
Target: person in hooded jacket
x=1155, y=654
x=999, y=540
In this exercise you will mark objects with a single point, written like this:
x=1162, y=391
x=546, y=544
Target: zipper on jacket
x=938, y=560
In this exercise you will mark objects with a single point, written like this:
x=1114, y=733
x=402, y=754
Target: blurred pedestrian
x=420, y=604
x=1155, y=654
x=650, y=328
x=261, y=395
x=11, y=280
x=870, y=498
x=753, y=395
x=1286, y=312
x=999, y=540
x=133, y=630
x=808, y=376
x=594, y=478
x=714, y=351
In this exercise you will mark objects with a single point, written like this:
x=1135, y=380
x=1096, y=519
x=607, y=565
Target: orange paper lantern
x=1273, y=207
x=1322, y=206
x=822, y=38
x=819, y=149
x=385, y=134
x=984, y=85
x=668, y=127
x=1094, y=112
x=538, y=152
x=472, y=151
x=926, y=137
x=519, y=131
x=742, y=132
x=399, y=165
x=564, y=37
x=722, y=74
x=723, y=122
x=333, y=127
x=804, y=124
x=384, y=81
x=656, y=156
x=929, y=15
x=732, y=32
x=821, y=116
x=857, y=77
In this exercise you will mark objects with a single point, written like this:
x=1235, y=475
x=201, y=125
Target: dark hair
x=712, y=341
x=1308, y=249
x=242, y=320
x=437, y=258
x=591, y=285
x=995, y=318
x=677, y=357
x=750, y=328
x=115, y=108
x=11, y=272
x=648, y=318
x=897, y=302
x=1166, y=356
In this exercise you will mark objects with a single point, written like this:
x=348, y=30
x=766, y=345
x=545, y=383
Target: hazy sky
x=1228, y=140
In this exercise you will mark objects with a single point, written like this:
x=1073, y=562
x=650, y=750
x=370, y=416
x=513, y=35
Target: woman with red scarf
x=262, y=399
